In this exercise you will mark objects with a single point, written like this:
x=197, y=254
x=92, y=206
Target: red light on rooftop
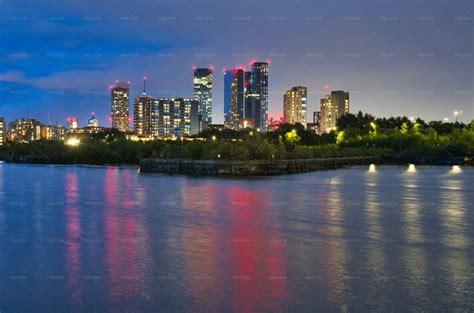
x=145, y=77
x=253, y=61
x=128, y=82
x=268, y=60
x=194, y=67
x=116, y=81
x=211, y=68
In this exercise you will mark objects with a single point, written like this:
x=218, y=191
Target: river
x=106, y=239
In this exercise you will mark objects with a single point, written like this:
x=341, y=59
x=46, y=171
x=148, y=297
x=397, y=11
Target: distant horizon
x=394, y=58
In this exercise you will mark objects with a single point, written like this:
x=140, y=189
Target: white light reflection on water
x=372, y=168
x=411, y=168
x=414, y=256
x=453, y=213
x=456, y=169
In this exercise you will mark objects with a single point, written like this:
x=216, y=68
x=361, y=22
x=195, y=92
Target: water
x=79, y=239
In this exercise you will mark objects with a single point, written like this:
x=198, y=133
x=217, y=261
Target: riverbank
x=272, y=167
x=250, y=167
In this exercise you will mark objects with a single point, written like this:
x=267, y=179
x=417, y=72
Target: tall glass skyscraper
x=248, y=113
x=120, y=106
x=202, y=92
x=234, y=90
x=228, y=77
x=260, y=95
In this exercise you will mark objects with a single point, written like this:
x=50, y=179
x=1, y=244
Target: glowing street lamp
x=73, y=142
x=456, y=113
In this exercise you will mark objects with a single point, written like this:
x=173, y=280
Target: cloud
x=12, y=77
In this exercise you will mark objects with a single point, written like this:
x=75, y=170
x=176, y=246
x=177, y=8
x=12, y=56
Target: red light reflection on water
x=238, y=254
x=123, y=240
x=258, y=265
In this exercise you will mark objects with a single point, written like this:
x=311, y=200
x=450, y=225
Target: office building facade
x=202, y=92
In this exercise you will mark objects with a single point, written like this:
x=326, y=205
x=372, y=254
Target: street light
x=456, y=113
x=73, y=142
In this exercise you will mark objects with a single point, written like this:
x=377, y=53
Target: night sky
x=413, y=58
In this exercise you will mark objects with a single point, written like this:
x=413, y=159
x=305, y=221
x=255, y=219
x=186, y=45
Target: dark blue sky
x=399, y=57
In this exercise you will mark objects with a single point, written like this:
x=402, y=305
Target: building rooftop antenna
x=144, y=86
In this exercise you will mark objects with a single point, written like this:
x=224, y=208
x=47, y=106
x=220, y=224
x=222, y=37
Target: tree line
x=357, y=135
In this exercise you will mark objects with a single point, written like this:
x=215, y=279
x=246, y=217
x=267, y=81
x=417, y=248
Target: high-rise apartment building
x=53, y=132
x=3, y=131
x=174, y=117
x=202, y=92
x=259, y=91
x=333, y=106
x=142, y=122
x=120, y=103
x=317, y=117
x=295, y=105
x=25, y=130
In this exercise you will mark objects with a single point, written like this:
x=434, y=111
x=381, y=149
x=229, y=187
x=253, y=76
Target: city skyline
x=60, y=59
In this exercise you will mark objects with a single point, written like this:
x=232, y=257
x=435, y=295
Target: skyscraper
x=248, y=114
x=3, y=131
x=120, y=103
x=295, y=105
x=333, y=106
x=259, y=89
x=234, y=89
x=202, y=92
x=228, y=77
